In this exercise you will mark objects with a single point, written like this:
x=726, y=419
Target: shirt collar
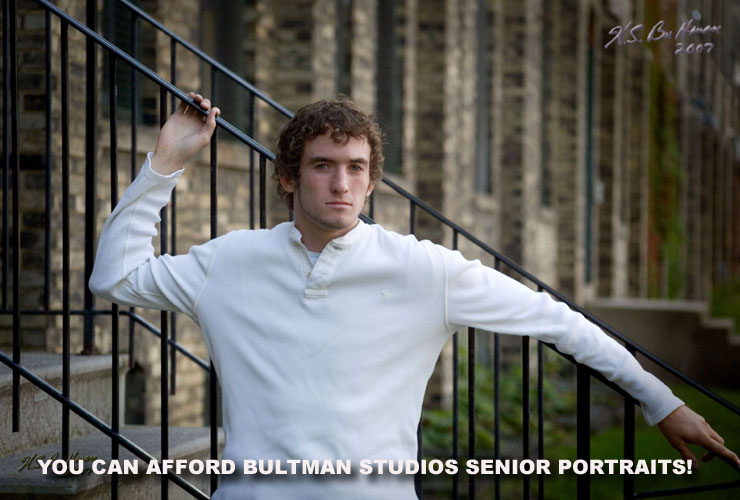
x=343, y=241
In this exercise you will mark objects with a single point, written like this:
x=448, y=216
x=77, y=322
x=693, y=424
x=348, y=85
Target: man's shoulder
x=407, y=243
x=244, y=239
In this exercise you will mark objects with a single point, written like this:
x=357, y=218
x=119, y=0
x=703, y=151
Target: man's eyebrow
x=325, y=159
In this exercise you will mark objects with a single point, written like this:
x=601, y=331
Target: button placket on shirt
x=319, y=279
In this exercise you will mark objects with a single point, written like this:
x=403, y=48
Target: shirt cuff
x=156, y=176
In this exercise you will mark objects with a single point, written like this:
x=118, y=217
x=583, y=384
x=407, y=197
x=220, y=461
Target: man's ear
x=370, y=189
x=288, y=183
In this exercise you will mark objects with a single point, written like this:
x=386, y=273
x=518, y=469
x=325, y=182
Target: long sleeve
x=481, y=297
x=126, y=270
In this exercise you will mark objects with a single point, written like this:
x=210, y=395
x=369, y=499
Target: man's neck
x=315, y=239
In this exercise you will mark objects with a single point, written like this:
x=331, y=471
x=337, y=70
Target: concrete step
x=41, y=415
x=18, y=481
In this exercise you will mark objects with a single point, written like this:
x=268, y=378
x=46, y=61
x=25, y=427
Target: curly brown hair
x=340, y=115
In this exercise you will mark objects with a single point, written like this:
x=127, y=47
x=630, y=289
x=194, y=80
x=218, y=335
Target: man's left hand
x=684, y=426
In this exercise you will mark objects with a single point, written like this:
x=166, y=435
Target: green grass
x=650, y=444
x=726, y=302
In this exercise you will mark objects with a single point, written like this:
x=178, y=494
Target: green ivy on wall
x=665, y=231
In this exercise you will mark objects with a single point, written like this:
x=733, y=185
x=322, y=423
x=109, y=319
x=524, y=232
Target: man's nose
x=339, y=181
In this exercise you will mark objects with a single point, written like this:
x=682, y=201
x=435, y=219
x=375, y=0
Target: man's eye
x=321, y=166
x=356, y=168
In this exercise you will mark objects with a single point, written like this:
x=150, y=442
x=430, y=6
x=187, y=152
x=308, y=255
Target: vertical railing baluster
x=583, y=428
x=496, y=397
x=372, y=206
x=471, y=408
x=113, y=126
x=91, y=95
x=526, y=486
x=418, y=483
x=263, y=193
x=213, y=381
x=628, y=484
x=49, y=160
x=164, y=317
x=412, y=216
x=455, y=398
x=540, y=416
x=173, y=71
x=6, y=152
x=13, y=105
x=173, y=226
x=65, y=238
x=133, y=76
x=251, y=161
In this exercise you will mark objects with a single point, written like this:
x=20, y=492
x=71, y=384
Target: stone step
x=18, y=481
x=40, y=414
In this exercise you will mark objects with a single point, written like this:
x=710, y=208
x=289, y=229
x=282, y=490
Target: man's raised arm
x=126, y=270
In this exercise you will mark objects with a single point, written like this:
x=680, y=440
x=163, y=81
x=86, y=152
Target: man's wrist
x=164, y=165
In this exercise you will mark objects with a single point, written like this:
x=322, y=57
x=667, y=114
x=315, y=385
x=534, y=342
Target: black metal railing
x=166, y=331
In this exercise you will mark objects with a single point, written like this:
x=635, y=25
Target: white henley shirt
x=330, y=361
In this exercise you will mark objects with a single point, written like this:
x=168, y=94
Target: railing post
x=540, y=416
x=526, y=486
x=13, y=105
x=471, y=408
x=455, y=397
x=164, y=317
x=583, y=415
x=134, y=118
x=540, y=421
x=173, y=226
x=263, y=193
x=6, y=150
x=49, y=162
x=91, y=95
x=65, y=237
x=496, y=397
x=113, y=126
x=628, y=481
x=213, y=380
x=250, y=131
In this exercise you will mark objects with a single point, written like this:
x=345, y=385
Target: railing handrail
x=205, y=57
x=154, y=77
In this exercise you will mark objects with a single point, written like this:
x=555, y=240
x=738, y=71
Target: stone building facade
x=606, y=171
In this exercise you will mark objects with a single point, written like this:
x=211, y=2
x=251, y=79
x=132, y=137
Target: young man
x=325, y=331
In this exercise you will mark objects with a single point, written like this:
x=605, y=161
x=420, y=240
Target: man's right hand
x=184, y=134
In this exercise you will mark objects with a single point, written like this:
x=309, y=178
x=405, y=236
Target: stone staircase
x=40, y=435
x=681, y=333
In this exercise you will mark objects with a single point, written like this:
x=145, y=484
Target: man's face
x=331, y=191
